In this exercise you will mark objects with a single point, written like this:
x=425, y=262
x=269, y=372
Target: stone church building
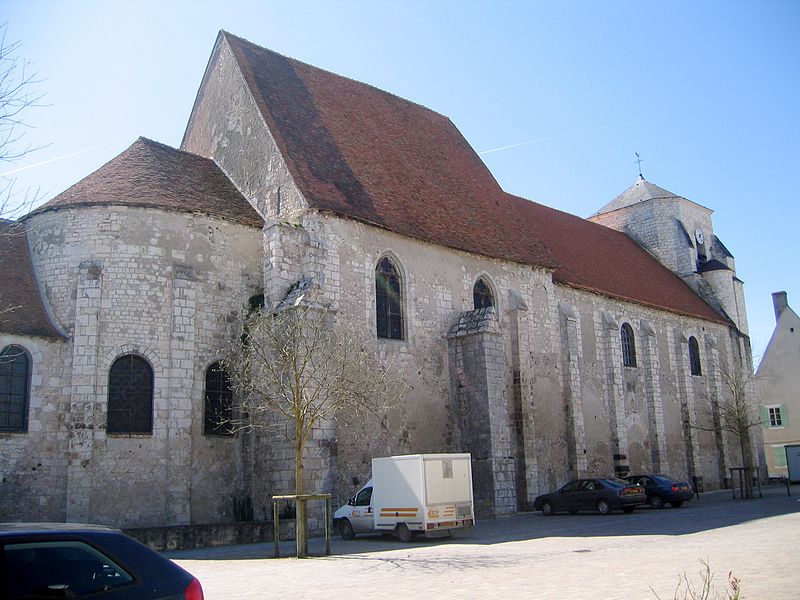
x=547, y=345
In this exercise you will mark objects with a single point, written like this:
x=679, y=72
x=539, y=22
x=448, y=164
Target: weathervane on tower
x=638, y=161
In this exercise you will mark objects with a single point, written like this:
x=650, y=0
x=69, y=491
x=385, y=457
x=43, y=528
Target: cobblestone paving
x=531, y=556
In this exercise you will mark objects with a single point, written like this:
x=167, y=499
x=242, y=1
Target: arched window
x=628, y=345
x=388, y=300
x=694, y=356
x=130, y=395
x=482, y=296
x=219, y=402
x=14, y=389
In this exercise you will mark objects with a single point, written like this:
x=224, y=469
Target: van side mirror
x=352, y=501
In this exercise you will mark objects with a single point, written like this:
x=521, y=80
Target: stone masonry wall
x=160, y=285
x=227, y=126
x=163, y=285
x=33, y=465
x=654, y=224
x=656, y=407
x=437, y=287
x=637, y=413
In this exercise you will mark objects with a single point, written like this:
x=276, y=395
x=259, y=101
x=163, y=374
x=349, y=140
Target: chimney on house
x=779, y=302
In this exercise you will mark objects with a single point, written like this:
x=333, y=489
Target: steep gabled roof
x=149, y=174
x=22, y=309
x=363, y=153
x=602, y=260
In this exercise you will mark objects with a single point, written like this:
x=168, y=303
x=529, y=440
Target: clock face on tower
x=698, y=235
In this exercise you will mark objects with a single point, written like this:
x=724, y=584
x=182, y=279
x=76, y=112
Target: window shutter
x=780, y=456
x=764, y=417
x=784, y=415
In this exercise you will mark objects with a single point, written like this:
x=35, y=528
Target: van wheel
x=403, y=532
x=346, y=530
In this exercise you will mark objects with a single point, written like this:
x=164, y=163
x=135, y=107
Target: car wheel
x=656, y=502
x=547, y=509
x=604, y=507
x=403, y=532
x=346, y=530
x=676, y=503
x=627, y=509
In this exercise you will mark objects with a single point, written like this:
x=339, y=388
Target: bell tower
x=680, y=234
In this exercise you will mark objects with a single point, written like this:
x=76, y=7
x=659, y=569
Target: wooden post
x=276, y=524
x=303, y=502
x=301, y=498
x=328, y=526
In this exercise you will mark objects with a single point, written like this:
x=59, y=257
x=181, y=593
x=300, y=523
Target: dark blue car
x=63, y=560
x=660, y=490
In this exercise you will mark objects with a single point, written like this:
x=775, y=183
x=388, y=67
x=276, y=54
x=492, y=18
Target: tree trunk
x=300, y=513
x=747, y=462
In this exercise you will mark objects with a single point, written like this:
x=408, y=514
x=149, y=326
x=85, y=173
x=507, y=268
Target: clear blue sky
x=708, y=93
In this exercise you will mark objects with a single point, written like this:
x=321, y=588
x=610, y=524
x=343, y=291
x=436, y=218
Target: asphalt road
x=636, y=556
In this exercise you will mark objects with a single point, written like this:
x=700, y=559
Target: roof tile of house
x=363, y=153
x=150, y=174
x=608, y=262
x=22, y=309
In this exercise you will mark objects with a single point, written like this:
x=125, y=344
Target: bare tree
x=291, y=373
x=18, y=94
x=737, y=412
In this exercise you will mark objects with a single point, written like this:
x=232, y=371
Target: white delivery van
x=411, y=494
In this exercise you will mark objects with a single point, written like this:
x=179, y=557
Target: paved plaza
x=532, y=556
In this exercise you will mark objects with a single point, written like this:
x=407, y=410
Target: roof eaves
x=97, y=204
x=546, y=265
x=606, y=294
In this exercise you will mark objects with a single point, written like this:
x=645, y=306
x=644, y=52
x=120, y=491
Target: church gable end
x=227, y=126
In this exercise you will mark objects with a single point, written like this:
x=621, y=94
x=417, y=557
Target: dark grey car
x=595, y=494
x=63, y=560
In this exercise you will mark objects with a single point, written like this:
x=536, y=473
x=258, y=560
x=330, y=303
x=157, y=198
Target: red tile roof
x=149, y=174
x=22, y=310
x=602, y=260
x=363, y=153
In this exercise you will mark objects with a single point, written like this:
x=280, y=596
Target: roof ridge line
x=330, y=72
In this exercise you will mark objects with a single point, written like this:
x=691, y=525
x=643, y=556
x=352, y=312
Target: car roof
x=39, y=528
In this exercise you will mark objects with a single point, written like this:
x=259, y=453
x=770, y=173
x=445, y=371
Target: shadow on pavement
x=712, y=510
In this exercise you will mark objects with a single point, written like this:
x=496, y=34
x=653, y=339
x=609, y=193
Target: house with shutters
x=778, y=391
x=547, y=345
